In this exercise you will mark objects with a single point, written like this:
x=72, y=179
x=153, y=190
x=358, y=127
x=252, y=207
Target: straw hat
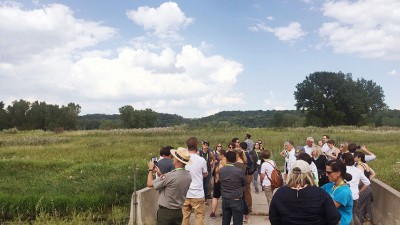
x=182, y=154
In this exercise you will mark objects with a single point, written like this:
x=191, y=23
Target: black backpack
x=251, y=162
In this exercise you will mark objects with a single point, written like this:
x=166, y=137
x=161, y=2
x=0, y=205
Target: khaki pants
x=247, y=193
x=268, y=193
x=199, y=207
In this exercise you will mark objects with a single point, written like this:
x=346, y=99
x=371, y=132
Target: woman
x=339, y=190
x=217, y=184
x=301, y=202
x=320, y=160
x=363, y=210
x=257, y=150
x=357, y=178
x=265, y=173
x=332, y=152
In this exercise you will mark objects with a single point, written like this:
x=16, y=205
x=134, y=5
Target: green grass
x=85, y=177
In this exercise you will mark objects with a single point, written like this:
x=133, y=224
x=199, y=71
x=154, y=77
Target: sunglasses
x=230, y=146
x=329, y=172
x=219, y=146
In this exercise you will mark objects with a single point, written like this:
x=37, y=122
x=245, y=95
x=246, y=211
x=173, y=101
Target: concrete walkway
x=258, y=216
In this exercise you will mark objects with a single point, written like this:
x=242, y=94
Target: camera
x=358, y=147
x=154, y=160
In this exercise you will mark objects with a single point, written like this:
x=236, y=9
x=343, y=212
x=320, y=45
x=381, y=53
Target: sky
x=191, y=58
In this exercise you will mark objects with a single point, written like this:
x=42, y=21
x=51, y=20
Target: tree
x=330, y=99
x=17, y=114
x=3, y=117
x=127, y=116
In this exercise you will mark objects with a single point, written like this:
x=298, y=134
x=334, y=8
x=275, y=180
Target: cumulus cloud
x=59, y=62
x=53, y=29
x=164, y=21
x=290, y=33
x=368, y=28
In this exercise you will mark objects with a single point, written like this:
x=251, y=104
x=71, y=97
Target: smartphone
x=154, y=160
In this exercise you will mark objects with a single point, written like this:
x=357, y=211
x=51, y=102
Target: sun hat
x=301, y=166
x=182, y=154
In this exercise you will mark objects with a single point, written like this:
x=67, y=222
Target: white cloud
x=57, y=66
x=165, y=21
x=28, y=34
x=368, y=28
x=392, y=73
x=290, y=33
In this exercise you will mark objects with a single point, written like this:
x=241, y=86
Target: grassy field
x=84, y=177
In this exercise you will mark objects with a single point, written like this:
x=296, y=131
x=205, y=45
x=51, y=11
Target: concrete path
x=258, y=216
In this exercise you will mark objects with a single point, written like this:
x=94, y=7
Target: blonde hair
x=300, y=179
x=242, y=156
x=317, y=150
x=345, y=145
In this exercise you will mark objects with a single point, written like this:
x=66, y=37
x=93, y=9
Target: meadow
x=86, y=177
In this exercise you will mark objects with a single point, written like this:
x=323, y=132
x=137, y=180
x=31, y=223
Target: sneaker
x=212, y=215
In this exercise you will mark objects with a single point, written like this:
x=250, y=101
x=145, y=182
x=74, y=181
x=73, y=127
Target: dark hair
x=304, y=156
x=243, y=145
x=327, y=136
x=166, y=150
x=331, y=142
x=231, y=156
x=360, y=155
x=234, y=140
x=222, y=152
x=192, y=143
x=339, y=166
x=204, y=142
x=265, y=154
x=248, y=135
x=348, y=159
x=232, y=144
x=352, y=147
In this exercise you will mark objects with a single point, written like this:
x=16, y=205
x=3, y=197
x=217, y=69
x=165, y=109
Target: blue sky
x=192, y=58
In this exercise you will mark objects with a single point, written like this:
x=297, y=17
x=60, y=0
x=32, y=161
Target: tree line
x=24, y=115
x=322, y=99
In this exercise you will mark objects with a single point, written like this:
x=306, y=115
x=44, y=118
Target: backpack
x=251, y=163
x=276, y=177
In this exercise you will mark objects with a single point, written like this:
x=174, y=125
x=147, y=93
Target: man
x=165, y=164
x=309, y=145
x=232, y=180
x=195, y=195
x=208, y=155
x=173, y=187
x=289, y=153
x=250, y=143
x=325, y=140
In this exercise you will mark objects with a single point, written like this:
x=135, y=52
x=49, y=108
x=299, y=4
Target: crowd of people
x=322, y=183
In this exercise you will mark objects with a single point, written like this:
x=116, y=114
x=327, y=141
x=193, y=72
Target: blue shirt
x=342, y=195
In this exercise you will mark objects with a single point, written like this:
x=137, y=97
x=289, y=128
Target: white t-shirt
x=325, y=148
x=291, y=160
x=267, y=169
x=308, y=149
x=196, y=169
x=357, y=176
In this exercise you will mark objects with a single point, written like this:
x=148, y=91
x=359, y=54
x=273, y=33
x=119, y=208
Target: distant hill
x=256, y=118
x=250, y=119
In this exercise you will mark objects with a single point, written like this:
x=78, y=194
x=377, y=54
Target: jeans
x=255, y=180
x=232, y=207
x=206, y=181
